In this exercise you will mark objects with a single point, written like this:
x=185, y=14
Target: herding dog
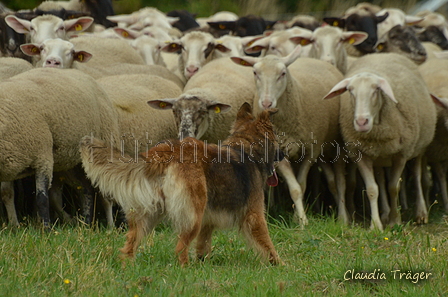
x=198, y=186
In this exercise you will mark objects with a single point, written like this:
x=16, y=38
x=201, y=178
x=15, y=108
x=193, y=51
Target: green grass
x=82, y=261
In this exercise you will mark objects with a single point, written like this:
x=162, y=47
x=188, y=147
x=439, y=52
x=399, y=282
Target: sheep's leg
x=404, y=191
x=383, y=196
x=204, y=242
x=426, y=181
x=421, y=214
x=55, y=195
x=365, y=166
x=351, y=188
x=335, y=176
x=440, y=169
x=295, y=190
x=396, y=171
x=7, y=193
x=42, y=199
x=108, y=209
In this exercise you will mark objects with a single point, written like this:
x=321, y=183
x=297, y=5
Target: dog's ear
x=245, y=112
x=266, y=115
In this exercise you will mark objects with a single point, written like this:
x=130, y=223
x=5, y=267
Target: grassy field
x=323, y=259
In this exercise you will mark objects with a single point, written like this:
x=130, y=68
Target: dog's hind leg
x=185, y=239
x=256, y=232
x=139, y=227
x=204, y=242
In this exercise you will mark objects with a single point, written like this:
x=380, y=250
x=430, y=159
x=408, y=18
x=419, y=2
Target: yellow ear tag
x=173, y=45
x=380, y=47
x=124, y=34
x=250, y=43
x=80, y=57
x=162, y=104
x=217, y=109
x=303, y=42
x=351, y=40
x=78, y=27
x=34, y=49
x=222, y=27
x=335, y=23
x=244, y=63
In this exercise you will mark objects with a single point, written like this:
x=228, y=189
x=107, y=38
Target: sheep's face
x=368, y=90
x=271, y=81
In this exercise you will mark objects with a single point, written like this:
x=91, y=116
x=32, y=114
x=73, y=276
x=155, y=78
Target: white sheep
x=147, y=16
x=306, y=124
x=390, y=120
x=396, y=17
x=327, y=44
x=10, y=66
x=435, y=74
x=48, y=26
x=107, y=51
x=196, y=51
x=278, y=43
x=56, y=53
x=44, y=113
x=203, y=109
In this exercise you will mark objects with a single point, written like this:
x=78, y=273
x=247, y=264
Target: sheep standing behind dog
x=198, y=186
x=309, y=125
x=45, y=112
x=392, y=117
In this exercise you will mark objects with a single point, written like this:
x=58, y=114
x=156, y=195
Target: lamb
x=203, y=109
x=391, y=120
x=435, y=74
x=48, y=26
x=44, y=136
x=293, y=86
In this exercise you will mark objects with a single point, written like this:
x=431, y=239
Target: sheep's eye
x=31, y=28
x=61, y=28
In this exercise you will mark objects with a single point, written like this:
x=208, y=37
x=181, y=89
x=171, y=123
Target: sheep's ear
x=162, y=103
x=125, y=18
x=411, y=20
x=30, y=49
x=127, y=33
x=82, y=56
x=19, y=25
x=218, y=107
x=354, y=37
x=221, y=47
x=172, y=47
x=443, y=102
x=441, y=55
x=338, y=89
x=78, y=25
x=381, y=18
x=246, y=61
x=289, y=59
x=387, y=89
x=303, y=38
x=257, y=46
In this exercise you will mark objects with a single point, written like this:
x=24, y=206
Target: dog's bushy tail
x=126, y=183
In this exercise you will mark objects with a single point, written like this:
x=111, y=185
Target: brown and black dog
x=198, y=186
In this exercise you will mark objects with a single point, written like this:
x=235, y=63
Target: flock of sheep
x=362, y=93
